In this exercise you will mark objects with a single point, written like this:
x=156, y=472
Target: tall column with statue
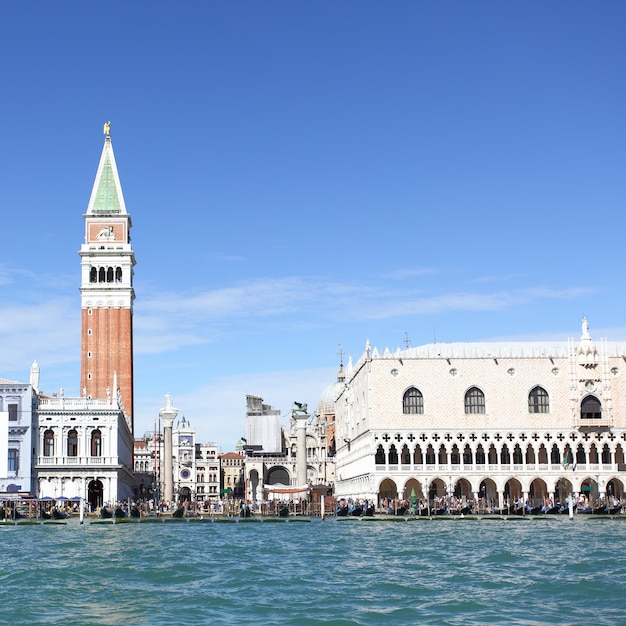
x=168, y=413
x=301, y=418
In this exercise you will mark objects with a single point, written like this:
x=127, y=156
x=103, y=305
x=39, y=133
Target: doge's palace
x=494, y=423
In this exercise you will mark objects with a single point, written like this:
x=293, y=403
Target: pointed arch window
x=72, y=443
x=538, y=400
x=48, y=443
x=393, y=455
x=413, y=402
x=590, y=408
x=474, y=401
x=555, y=455
x=96, y=443
x=480, y=455
x=380, y=455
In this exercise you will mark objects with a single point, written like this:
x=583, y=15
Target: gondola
x=615, y=510
x=442, y=510
x=465, y=510
x=356, y=511
x=134, y=512
x=119, y=513
x=105, y=513
x=369, y=511
x=56, y=514
x=44, y=514
x=550, y=510
x=283, y=511
x=401, y=510
x=180, y=512
x=342, y=509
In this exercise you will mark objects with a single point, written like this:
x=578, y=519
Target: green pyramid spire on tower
x=106, y=196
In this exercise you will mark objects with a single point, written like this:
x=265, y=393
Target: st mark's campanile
x=107, y=294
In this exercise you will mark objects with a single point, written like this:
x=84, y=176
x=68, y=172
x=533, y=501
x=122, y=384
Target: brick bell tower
x=107, y=294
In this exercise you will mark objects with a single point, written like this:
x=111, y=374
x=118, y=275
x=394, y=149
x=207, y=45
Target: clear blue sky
x=302, y=175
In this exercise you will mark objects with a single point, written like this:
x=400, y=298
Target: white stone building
x=16, y=432
x=484, y=422
x=84, y=450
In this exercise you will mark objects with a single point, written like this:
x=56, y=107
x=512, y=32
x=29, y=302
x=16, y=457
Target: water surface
x=526, y=571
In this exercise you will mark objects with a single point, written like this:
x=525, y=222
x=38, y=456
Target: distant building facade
x=271, y=471
x=84, y=450
x=195, y=466
x=495, y=422
x=232, y=474
x=17, y=403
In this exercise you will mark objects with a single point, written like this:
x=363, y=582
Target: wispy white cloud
x=167, y=320
x=410, y=272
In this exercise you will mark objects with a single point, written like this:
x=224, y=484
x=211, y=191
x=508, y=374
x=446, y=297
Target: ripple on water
x=329, y=572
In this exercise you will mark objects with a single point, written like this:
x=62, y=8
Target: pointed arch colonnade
x=495, y=469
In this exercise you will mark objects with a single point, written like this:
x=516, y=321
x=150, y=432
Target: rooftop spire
x=106, y=195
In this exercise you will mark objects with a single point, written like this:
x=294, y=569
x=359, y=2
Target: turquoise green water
x=556, y=571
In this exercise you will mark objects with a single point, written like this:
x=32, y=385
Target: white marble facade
x=488, y=422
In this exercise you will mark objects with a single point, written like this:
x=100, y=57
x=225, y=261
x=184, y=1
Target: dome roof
x=328, y=397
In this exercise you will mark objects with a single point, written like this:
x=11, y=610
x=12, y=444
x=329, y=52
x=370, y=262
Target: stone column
x=301, y=422
x=168, y=414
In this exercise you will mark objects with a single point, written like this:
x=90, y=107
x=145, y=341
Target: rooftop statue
x=299, y=407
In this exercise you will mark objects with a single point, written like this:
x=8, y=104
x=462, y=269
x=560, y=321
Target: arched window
x=93, y=275
x=380, y=455
x=72, y=443
x=48, y=443
x=590, y=408
x=118, y=274
x=413, y=402
x=455, y=457
x=467, y=455
x=101, y=275
x=405, y=455
x=109, y=274
x=96, y=443
x=474, y=401
x=430, y=455
x=480, y=455
x=517, y=455
x=505, y=457
x=538, y=401
x=443, y=455
x=555, y=455
x=418, y=459
x=393, y=455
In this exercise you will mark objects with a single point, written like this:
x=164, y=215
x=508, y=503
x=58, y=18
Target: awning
x=281, y=489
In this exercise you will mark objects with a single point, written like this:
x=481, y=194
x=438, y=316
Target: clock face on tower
x=106, y=232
